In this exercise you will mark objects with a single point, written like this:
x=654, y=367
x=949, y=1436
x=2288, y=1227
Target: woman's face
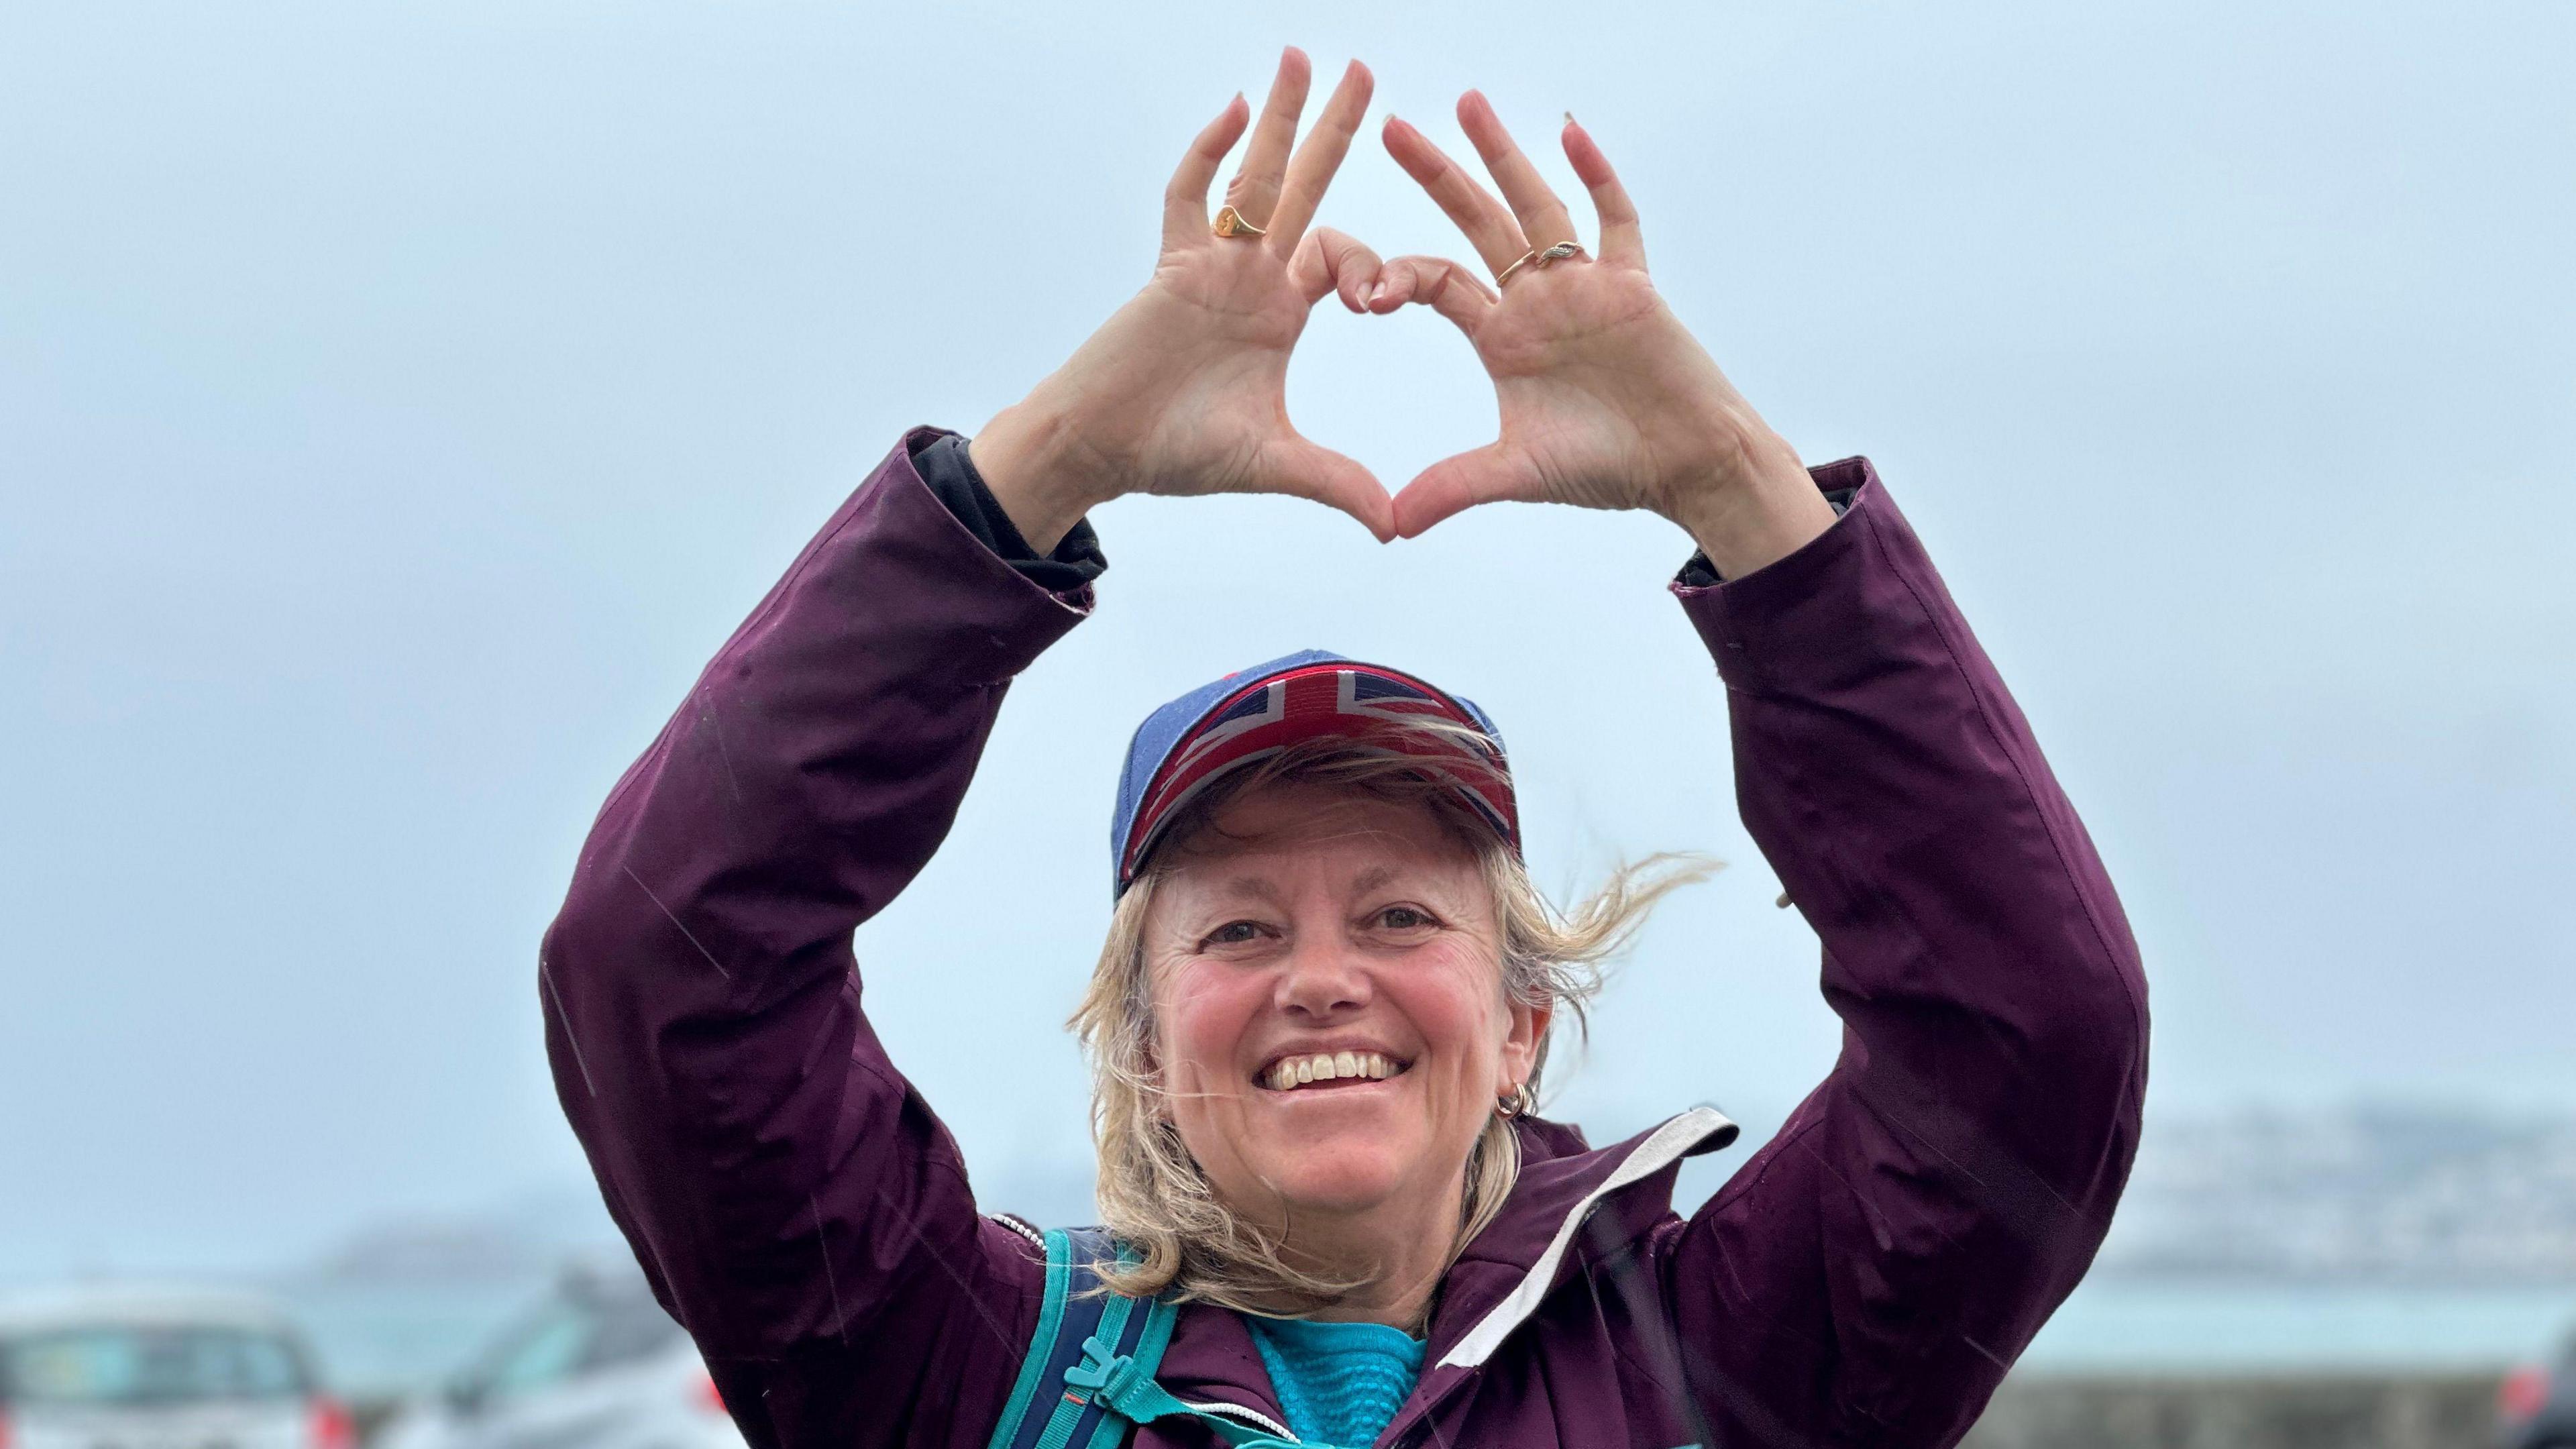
x=1310, y=927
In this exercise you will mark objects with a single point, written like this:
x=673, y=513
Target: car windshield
x=575, y=1335
x=631, y=1329
x=133, y=1364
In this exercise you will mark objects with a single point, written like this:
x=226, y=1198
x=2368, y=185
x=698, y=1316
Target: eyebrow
x=1260, y=888
x=1250, y=885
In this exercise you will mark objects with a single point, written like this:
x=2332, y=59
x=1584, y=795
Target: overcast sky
x=399, y=403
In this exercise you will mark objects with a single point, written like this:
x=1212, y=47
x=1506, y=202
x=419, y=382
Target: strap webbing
x=1109, y=1389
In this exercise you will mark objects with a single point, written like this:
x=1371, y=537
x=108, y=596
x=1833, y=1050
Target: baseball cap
x=1252, y=714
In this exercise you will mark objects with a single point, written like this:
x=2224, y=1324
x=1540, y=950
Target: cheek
x=1203, y=1014
x=1458, y=1009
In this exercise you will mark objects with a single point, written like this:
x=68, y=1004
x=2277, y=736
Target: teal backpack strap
x=1088, y=1378
x=1053, y=1403
x=1123, y=1383
x=1034, y=1365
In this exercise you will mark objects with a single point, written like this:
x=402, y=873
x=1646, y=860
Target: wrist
x=1030, y=458
x=1756, y=509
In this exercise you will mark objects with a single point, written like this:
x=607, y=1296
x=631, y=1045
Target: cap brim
x=1378, y=708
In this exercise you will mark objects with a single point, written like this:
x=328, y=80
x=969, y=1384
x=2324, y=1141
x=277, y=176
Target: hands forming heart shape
x=1607, y=401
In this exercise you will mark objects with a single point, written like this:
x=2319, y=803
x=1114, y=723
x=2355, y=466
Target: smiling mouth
x=1330, y=1069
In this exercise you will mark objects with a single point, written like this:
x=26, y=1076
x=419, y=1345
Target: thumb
x=1302, y=469
x=1438, y=283
x=1460, y=482
x=1332, y=261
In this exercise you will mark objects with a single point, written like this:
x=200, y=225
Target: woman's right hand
x=1184, y=389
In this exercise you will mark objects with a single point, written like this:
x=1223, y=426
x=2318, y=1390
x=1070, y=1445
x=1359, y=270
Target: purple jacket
x=1864, y=1279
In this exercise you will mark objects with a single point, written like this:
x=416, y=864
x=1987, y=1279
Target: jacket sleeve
x=794, y=1202
x=1868, y=1277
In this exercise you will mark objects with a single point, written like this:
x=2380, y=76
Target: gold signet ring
x=1230, y=222
x=1540, y=257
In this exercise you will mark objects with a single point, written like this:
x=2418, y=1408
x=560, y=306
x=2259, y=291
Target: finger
x=1446, y=287
x=1489, y=227
x=1330, y=261
x=1185, y=213
x=1621, y=242
x=1254, y=191
x=1543, y=218
x=1454, y=484
x=1302, y=469
x=1311, y=170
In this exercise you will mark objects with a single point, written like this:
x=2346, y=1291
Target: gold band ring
x=1540, y=257
x=1230, y=222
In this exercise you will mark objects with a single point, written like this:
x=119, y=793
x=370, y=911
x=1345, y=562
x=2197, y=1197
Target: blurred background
x=398, y=403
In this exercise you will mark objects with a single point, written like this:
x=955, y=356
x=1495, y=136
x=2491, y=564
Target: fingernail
x=1569, y=119
x=1376, y=290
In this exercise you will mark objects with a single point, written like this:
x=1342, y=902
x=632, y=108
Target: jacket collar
x=1622, y=1190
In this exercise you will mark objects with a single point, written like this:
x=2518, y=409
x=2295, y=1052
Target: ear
x=1522, y=1042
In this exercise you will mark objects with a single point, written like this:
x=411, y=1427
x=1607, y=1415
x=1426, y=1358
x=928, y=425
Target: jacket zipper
x=1260, y=1421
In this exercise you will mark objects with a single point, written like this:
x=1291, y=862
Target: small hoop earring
x=1520, y=1101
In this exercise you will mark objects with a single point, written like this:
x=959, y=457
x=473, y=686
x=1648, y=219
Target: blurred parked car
x=2537, y=1405
x=159, y=1368
x=598, y=1365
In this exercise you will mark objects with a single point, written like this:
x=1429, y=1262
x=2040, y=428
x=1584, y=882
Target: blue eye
x=1403, y=918
x=1233, y=933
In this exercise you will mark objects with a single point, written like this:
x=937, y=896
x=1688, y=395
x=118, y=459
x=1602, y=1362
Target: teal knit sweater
x=1339, y=1383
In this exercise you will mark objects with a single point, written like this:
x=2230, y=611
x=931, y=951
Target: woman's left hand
x=1607, y=401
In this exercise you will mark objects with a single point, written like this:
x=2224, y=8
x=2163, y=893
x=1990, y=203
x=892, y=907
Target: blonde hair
x=1181, y=1239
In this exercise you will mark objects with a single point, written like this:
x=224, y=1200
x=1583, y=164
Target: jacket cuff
x=1793, y=613
x=1698, y=572
x=940, y=457
x=933, y=583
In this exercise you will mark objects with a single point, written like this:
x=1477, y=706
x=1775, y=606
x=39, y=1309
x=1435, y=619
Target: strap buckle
x=1103, y=1370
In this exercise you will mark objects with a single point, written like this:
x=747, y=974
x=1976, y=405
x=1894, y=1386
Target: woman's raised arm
x=793, y=1200
x=1930, y=1204
x=795, y=1203
x=1871, y=1273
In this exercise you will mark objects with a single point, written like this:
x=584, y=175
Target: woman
x=1323, y=1009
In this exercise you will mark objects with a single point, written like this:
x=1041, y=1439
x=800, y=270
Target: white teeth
x=1330, y=1066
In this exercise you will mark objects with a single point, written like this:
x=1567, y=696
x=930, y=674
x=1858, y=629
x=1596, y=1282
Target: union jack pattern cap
x=1252, y=714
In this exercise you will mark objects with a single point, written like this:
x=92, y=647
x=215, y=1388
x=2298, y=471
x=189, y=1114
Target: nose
x=1322, y=980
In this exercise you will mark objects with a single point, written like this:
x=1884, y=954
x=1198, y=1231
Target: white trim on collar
x=1660, y=1150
